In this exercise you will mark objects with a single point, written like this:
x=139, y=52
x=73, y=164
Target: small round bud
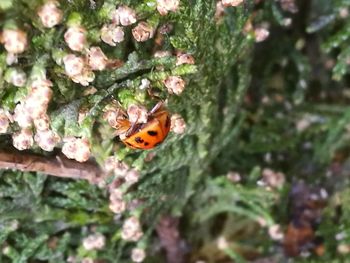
x=138, y=255
x=42, y=123
x=85, y=77
x=22, y=117
x=162, y=54
x=231, y=2
x=4, y=121
x=11, y=58
x=145, y=84
x=137, y=114
x=183, y=58
x=174, y=84
x=343, y=249
x=50, y=15
x=131, y=230
x=112, y=34
x=143, y=31
x=73, y=65
x=124, y=16
x=222, y=243
x=178, y=124
x=234, y=177
x=47, y=140
x=94, y=242
x=111, y=116
x=97, y=60
x=219, y=11
x=275, y=232
x=115, y=194
x=23, y=140
x=165, y=6
x=87, y=260
x=39, y=96
x=117, y=206
x=272, y=178
x=132, y=177
x=16, y=77
x=109, y=164
x=261, y=34
x=83, y=150
x=15, y=41
x=76, y=148
x=75, y=38
x=121, y=168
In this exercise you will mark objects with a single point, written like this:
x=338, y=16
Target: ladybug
x=147, y=135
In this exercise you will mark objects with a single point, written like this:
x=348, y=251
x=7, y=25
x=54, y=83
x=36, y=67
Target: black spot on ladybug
x=146, y=143
x=152, y=133
x=167, y=122
x=139, y=140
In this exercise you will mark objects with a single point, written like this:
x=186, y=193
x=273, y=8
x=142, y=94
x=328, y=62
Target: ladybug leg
x=156, y=108
x=133, y=128
x=152, y=94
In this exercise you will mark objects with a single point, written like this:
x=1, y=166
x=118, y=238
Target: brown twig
x=57, y=165
x=169, y=236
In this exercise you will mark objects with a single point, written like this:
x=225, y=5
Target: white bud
x=138, y=255
x=15, y=41
x=131, y=230
x=4, y=121
x=118, y=206
x=94, y=242
x=275, y=232
x=73, y=65
x=137, y=114
x=165, y=6
x=75, y=38
x=17, y=77
x=22, y=117
x=49, y=14
x=76, y=148
x=112, y=34
x=132, y=177
x=178, y=124
x=124, y=16
x=47, y=140
x=174, y=84
x=145, y=84
x=272, y=178
x=11, y=58
x=261, y=34
x=162, y=54
x=143, y=31
x=42, y=123
x=23, y=140
x=183, y=58
x=85, y=77
x=97, y=60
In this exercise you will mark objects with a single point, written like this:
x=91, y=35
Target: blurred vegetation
x=281, y=104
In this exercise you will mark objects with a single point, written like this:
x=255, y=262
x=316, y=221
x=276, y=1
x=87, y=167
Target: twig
x=57, y=165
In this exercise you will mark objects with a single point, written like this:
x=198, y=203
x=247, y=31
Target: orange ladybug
x=147, y=135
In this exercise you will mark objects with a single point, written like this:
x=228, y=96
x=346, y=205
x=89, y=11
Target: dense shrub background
x=279, y=104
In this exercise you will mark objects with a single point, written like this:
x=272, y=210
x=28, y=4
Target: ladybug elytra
x=147, y=135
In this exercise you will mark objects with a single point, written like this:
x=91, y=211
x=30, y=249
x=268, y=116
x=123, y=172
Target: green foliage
x=280, y=104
